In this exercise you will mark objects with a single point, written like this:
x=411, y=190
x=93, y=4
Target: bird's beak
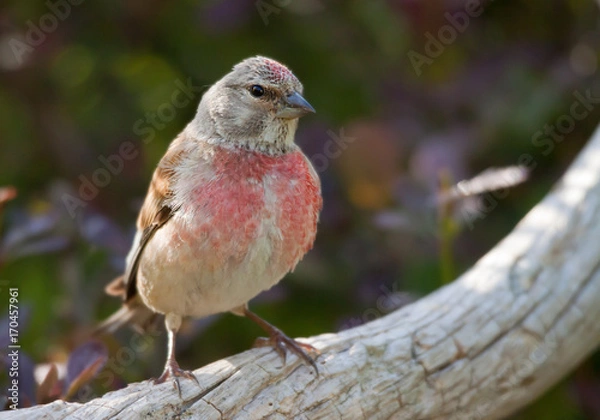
x=295, y=107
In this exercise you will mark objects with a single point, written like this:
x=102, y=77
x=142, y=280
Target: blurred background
x=412, y=96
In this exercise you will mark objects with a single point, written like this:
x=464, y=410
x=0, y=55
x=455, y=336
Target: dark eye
x=257, y=91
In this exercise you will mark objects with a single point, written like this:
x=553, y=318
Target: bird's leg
x=172, y=369
x=278, y=340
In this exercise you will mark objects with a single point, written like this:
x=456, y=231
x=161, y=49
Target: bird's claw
x=279, y=341
x=172, y=370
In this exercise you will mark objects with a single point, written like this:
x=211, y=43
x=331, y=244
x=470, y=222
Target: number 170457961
x=13, y=316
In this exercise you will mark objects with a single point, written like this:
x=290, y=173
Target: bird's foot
x=279, y=341
x=173, y=371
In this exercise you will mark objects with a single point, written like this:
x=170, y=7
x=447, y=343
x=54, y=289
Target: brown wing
x=133, y=311
x=124, y=286
x=155, y=212
x=130, y=277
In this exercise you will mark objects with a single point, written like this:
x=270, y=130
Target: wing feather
x=156, y=211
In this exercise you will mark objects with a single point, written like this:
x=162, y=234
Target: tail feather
x=135, y=313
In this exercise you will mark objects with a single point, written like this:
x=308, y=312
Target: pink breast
x=249, y=187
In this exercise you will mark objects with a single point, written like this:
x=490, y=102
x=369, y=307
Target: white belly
x=186, y=277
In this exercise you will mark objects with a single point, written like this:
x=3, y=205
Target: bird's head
x=255, y=106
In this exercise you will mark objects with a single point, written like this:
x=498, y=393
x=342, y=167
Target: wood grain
x=482, y=347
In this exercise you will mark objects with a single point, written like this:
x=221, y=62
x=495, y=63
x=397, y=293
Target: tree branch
x=482, y=347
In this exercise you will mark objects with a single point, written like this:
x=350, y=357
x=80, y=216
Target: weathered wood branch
x=480, y=348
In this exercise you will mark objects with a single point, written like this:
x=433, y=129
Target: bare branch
x=480, y=348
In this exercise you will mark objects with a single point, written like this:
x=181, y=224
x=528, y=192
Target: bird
x=232, y=207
